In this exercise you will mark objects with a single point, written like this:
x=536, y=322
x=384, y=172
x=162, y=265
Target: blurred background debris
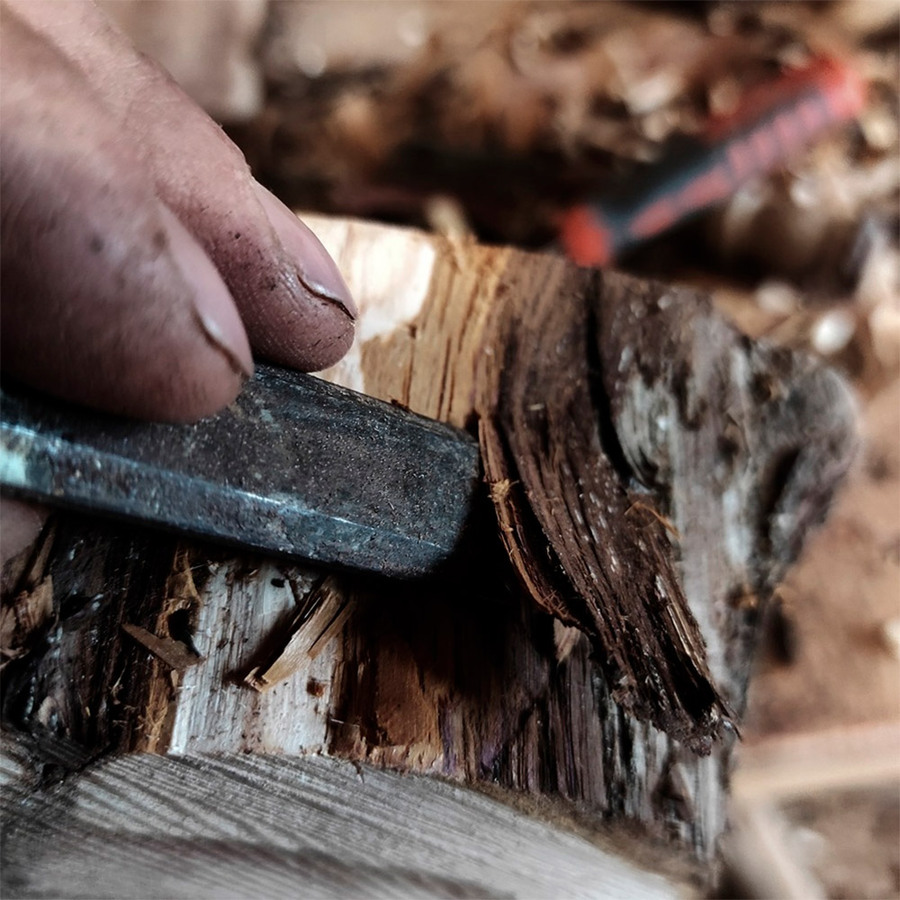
x=489, y=119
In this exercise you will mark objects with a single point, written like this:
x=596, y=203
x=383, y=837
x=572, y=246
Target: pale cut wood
x=209, y=48
x=461, y=676
x=761, y=854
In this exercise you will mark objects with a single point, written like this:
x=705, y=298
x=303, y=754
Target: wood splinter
x=173, y=653
x=582, y=384
x=319, y=619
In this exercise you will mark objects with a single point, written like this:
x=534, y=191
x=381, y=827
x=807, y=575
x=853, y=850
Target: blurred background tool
x=773, y=122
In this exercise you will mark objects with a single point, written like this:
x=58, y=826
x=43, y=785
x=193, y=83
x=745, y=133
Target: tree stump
x=650, y=473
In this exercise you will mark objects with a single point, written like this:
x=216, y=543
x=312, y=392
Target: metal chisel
x=294, y=467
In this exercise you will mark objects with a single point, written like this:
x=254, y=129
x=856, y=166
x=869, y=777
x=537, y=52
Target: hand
x=140, y=259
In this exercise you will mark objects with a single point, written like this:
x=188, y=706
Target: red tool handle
x=773, y=122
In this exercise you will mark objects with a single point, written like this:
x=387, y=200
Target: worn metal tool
x=295, y=467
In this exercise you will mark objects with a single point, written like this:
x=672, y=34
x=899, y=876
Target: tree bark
x=650, y=474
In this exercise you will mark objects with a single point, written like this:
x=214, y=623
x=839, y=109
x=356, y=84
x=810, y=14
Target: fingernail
x=216, y=313
x=316, y=269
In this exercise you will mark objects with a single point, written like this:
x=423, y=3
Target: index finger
x=294, y=303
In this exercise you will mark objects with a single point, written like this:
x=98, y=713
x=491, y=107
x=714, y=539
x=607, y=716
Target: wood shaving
x=320, y=619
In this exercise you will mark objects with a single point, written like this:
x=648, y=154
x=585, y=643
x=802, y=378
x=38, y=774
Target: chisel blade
x=295, y=467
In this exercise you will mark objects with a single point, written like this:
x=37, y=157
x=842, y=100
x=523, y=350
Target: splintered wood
x=23, y=617
x=320, y=617
x=171, y=652
x=566, y=515
x=605, y=395
x=648, y=471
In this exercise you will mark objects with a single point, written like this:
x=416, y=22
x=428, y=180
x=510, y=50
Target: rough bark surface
x=624, y=420
x=708, y=456
x=592, y=549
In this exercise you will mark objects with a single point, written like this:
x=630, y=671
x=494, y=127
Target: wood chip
x=172, y=653
x=318, y=620
x=21, y=619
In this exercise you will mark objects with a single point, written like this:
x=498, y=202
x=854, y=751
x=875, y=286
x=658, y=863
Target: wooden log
x=708, y=457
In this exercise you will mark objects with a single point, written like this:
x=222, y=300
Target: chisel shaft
x=295, y=467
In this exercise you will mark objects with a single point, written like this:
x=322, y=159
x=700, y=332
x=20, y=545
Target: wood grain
x=257, y=826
